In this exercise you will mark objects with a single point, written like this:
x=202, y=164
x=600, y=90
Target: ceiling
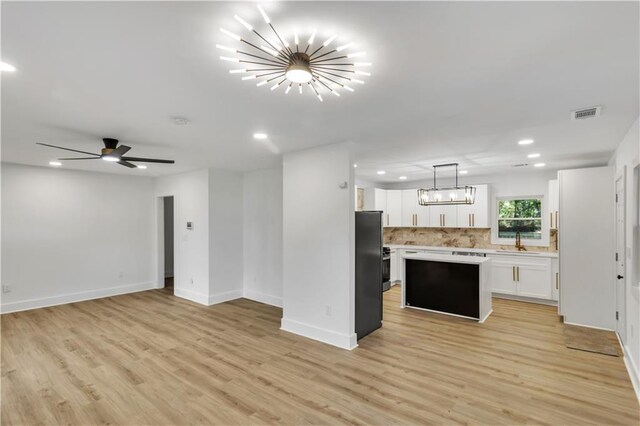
x=451, y=81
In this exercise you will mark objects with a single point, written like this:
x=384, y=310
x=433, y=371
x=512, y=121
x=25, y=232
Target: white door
x=409, y=207
x=533, y=278
x=621, y=289
x=503, y=276
x=394, y=208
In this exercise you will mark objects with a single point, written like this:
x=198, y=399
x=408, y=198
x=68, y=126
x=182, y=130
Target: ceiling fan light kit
x=112, y=153
x=320, y=68
x=447, y=195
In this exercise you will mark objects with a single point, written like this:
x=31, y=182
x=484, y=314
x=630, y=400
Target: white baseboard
x=63, y=299
x=632, y=368
x=193, y=296
x=263, y=298
x=343, y=341
x=588, y=326
x=525, y=299
x=224, y=297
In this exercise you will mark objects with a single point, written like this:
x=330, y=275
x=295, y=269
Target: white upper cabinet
x=393, y=214
x=475, y=215
x=413, y=215
x=401, y=208
x=554, y=204
x=445, y=216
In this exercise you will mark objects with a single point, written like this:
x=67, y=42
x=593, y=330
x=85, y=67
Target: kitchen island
x=448, y=284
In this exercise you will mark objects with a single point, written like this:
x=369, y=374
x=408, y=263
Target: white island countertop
x=443, y=291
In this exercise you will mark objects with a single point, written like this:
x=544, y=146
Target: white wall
x=190, y=193
x=263, y=236
x=225, y=238
x=318, y=245
x=71, y=235
x=628, y=155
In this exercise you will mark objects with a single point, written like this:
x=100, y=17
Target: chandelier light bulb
x=355, y=55
x=269, y=50
x=313, y=37
x=228, y=49
x=237, y=71
x=295, y=38
x=244, y=23
x=298, y=75
x=262, y=83
x=355, y=80
x=227, y=58
x=345, y=46
x=335, y=93
x=329, y=40
x=300, y=87
x=264, y=15
x=362, y=73
x=320, y=97
x=230, y=34
x=288, y=88
x=275, y=86
x=249, y=77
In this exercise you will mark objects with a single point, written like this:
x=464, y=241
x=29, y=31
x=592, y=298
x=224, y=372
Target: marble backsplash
x=456, y=237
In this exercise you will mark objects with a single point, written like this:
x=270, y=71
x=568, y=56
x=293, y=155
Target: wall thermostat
x=189, y=225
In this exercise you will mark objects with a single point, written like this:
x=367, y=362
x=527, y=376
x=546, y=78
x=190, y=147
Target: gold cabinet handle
x=469, y=219
x=557, y=219
x=550, y=219
x=518, y=273
x=513, y=272
x=473, y=219
x=557, y=286
x=444, y=220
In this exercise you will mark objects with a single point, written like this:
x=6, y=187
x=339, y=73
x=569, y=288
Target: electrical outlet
x=327, y=310
x=6, y=288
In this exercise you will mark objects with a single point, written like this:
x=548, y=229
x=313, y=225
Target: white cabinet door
x=554, y=204
x=532, y=277
x=555, y=279
x=393, y=266
x=503, y=276
x=422, y=214
x=394, y=208
x=443, y=216
x=409, y=207
x=380, y=200
x=475, y=215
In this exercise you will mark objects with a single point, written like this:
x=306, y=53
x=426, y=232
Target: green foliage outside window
x=520, y=215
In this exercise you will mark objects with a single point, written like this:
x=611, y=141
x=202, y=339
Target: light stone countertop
x=476, y=250
x=449, y=258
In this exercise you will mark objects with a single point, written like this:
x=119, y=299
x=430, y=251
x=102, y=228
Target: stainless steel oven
x=386, y=268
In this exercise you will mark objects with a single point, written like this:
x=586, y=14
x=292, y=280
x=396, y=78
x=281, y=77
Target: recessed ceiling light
x=536, y=155
x=539, y=165
x=355, y=165
x=6, y=67
x=381, y=172
x=260, y=135
x=525, y=142
x=55, y=163
x=463, y=172
x=402, y=178
x=141, y=166
x=110, y=159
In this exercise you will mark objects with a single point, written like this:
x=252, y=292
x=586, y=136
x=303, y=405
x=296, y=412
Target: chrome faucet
x=519, y=245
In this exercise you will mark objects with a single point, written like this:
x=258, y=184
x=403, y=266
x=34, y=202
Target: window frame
x=542, y=242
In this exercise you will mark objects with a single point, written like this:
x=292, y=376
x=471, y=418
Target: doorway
x=620, y=199
x=168, y=269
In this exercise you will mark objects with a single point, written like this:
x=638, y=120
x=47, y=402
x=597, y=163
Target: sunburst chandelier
x=319, y=67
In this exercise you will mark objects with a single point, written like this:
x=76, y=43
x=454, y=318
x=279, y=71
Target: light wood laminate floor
x=152, y=358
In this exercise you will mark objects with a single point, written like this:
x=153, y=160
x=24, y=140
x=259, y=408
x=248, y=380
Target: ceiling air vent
x=583, y=114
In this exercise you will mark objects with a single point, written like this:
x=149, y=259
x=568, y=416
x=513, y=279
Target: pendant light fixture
x=448, y=195
x=303, y=63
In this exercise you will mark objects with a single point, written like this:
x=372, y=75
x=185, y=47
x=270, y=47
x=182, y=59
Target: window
x=520, y=215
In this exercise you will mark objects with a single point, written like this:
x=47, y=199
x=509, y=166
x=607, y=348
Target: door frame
x=620, y=286
x=160, y=267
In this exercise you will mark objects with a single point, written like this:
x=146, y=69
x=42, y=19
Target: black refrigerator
x=368, y=272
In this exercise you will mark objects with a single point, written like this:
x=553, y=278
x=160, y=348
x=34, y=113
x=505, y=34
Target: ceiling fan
x=111, y=152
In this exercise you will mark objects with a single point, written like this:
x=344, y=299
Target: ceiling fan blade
x=120, y=151
x=67, y=149
x=79, y=158
x=148, y=160
x=127, y=164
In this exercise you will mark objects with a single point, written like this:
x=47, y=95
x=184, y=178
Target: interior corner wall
x=318, y=244
x=262, y=247
x=627, y=156
x=72, y=235
x=226, y=234
x=190, y=193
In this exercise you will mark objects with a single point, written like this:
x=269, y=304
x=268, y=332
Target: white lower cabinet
x=555, y=279
x=393, y=266
x=522, y=276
